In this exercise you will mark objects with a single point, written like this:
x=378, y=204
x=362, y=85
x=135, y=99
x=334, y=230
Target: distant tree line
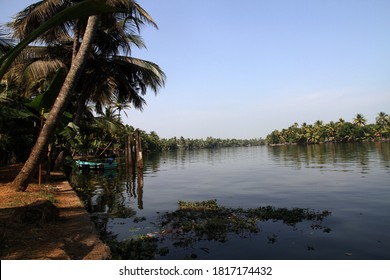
x=340, y=131
x=152, y=142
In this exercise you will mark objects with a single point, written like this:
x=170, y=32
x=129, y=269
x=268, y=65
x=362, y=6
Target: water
x=351, y=181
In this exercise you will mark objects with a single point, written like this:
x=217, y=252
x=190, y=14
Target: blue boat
x=109, y=165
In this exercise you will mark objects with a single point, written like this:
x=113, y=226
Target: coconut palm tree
x=359, y=120
x=24, y=177
x=103, y=132
x=383, y=123
x=108, y=71
x=382, y=119
x=331, y=131
x=130, y=12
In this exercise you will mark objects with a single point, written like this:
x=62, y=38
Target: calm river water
x=351, y=181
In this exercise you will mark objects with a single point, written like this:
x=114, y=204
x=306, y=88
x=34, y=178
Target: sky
x=241, y=69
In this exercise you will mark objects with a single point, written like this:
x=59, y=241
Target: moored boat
x=96, y=165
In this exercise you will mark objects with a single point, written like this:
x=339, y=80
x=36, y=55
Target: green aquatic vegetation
x=272, y=238
x=206, y=220
x=143, y=248
x=200, y=221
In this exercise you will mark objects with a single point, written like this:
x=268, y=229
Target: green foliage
x=206, y=220
x=16, y=128
x=82, y=9
x=143, y=248
x=337, y=132
x=208, y=143
x=46, y=100
x=198, y=221
x=110, y=80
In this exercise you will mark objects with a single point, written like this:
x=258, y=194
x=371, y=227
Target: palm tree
x=382, y=119
x=359, y=132
x=331, y=131
x=24, y=177
x=359, y=120
x=106, y=71
x=81, y=52
x=383, y=123
x=107, y=76
x=109, y=128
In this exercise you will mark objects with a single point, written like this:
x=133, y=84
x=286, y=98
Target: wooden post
x=138, y=150
x=128, y=151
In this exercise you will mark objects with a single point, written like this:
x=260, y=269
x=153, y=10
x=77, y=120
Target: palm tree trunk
x=22, y=180
x=59, y=162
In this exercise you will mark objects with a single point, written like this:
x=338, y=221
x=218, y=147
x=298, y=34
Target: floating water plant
x=206, y=220
x=200, y=221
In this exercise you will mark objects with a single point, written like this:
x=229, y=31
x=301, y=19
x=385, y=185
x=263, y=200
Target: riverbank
x=47, y=222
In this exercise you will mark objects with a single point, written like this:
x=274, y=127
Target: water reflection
x=110, y=193
x=338, y=157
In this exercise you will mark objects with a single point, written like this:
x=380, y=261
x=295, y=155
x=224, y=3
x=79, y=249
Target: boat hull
x=96, y=165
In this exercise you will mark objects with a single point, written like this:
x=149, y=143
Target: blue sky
x=240, y=69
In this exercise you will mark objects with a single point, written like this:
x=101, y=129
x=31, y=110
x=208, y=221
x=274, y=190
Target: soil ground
x=29, y=228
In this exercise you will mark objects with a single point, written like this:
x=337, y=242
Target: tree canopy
x=336, y=132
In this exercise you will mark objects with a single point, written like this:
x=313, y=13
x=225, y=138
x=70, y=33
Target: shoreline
x=71, y=236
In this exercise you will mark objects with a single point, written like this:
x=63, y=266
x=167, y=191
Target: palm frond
x=147, y=74
x=6, y=42
x=29, y=19
x=32, y=73
x=132, y=13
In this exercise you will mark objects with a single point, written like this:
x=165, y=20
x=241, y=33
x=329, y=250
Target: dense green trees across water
x=340, y=131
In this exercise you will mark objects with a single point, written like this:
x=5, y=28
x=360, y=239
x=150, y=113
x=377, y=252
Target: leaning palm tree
x=129, y=11
x=22, y=180
x=108, y=75
x=115, y=35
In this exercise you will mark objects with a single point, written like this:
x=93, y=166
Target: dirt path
x=69, y=235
